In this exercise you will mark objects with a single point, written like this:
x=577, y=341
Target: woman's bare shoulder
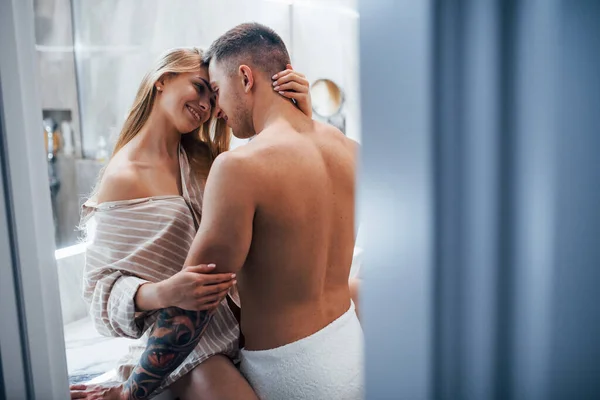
x=121, y=180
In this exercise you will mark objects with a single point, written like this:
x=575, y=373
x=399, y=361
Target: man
x=279, y=212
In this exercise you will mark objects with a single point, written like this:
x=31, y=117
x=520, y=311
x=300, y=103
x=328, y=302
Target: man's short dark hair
x=250, y=43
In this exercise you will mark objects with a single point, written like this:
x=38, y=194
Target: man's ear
x=247, y=77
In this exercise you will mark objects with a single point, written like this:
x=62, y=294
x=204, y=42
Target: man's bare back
x=279, y=212
x=294, y=281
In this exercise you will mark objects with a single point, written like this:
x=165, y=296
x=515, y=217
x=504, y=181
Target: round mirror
x=327, y=97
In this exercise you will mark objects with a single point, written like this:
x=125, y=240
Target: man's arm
x=225, y=232
x=224, y=239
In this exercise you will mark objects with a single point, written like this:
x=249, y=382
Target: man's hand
x=98, y=392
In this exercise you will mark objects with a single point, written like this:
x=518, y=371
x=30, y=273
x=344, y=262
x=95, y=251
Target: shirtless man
x=279, y=212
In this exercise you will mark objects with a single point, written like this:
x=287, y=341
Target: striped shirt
x=133, y=242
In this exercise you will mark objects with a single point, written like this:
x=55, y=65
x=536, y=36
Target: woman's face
x=186, y=99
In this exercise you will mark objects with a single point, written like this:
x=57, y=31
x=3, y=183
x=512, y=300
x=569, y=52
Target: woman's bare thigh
x=215, y=379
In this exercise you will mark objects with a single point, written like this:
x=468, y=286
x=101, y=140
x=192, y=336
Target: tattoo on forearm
x=173, y=337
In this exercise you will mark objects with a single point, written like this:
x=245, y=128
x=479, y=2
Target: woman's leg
x=354, y=285
x=215, y=379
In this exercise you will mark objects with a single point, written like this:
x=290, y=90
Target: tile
x=166, y=23
x=108, y=83
x=106, y=23
x=219, y=17
x=53, y=22
x=56, y=80
x=347, y=4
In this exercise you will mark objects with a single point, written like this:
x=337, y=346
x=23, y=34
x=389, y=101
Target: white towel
x=325, y=365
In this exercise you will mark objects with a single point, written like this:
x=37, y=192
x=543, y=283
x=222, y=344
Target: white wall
x=325, y=45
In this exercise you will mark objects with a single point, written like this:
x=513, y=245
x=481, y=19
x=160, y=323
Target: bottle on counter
x=52, y=139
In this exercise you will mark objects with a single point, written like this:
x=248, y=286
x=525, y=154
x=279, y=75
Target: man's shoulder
x=232, y=163
x=254, y=153
x=233, y=171
x=337, y=135
x=233, y=158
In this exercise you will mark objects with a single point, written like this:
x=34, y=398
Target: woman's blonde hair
x=202, y=145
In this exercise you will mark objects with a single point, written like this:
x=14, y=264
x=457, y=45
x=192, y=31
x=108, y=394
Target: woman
x=143, y=215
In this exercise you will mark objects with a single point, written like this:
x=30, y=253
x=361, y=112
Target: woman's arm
x=194, y=288
x=111, y=297
x=149, y=297
x=294, y=85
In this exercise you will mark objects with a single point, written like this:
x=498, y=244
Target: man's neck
x=270, y=108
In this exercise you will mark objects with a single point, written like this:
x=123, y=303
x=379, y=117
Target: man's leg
x=215, y=379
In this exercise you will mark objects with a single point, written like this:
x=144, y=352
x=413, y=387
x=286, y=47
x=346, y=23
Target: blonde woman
x=142, y=219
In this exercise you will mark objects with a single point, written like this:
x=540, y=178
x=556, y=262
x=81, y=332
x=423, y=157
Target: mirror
x=327, y=98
